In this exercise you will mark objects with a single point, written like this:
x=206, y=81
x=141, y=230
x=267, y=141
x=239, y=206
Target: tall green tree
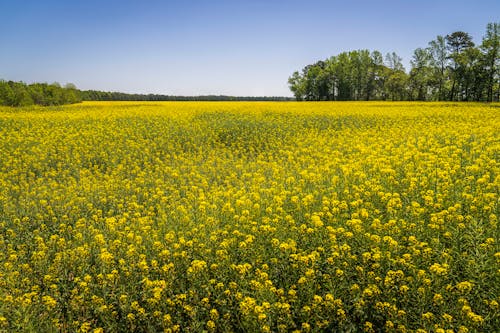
x=378, y=76
x=420, y=75
x=457, y=42
x=439, y=63
x=342, y=69
x=7, y=96
x=473, y=75
x=296, y=82
x=316, y=85
x=396, y=86
x=394, y=62
x=490, y=47
x=397, y=79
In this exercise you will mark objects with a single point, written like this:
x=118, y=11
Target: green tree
x=71, y=94
x=457, y=42
x=473, y=75
x=380, y=75
x=6, y=94
x=394, y=62
x=343, y=85
x=490, y=47
x=21, y=94
x=37, y=92
x=439, y=63
x=420, y=74
x=397, y=79
x=296, y=83
x=396, y=85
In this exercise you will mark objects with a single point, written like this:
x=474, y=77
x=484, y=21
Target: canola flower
x=259, y=217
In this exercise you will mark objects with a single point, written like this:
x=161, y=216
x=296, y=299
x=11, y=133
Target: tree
x=439, y=62
x=397, y=79
x=364, y=78
x=6, y=94
x=420, y=74
x=37, y=92
x=490, y=47
x=71, y=94
x=343, y=77
x=21, y=94
x=297, y=86
x=457, y=42
x=394, y=62
x=396, y=85
x=473, y=75
x=378, y=75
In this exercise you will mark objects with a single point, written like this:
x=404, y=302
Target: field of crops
x=270, y=217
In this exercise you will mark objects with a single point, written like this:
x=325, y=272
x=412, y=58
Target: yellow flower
x=464, y=286
x=210, y=325
x=428, y=316
x=85, y=327
x=49, y=302
x=272, y=210
x=197, y=266
x=368, y=327
x=316, y=220
x=437, y=299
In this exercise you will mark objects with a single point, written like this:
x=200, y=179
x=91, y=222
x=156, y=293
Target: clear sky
x=197, y=47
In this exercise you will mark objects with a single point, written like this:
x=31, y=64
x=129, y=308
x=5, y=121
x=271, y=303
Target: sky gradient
x=201, y=47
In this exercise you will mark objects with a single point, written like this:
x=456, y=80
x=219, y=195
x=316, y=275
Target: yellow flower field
x=250, y=217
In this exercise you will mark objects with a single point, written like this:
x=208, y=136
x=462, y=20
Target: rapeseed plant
x=271, y=217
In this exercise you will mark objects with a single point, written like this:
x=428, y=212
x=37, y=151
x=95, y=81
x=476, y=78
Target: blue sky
x=197, y=47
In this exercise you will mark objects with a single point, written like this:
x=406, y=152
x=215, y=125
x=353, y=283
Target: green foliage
x=21, y=94
x=491, y=50
x=450, y=68
x=96, y=95
x=356, y=75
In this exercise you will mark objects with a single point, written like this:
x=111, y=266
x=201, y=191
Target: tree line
x=450, y=68
x=22, y=94
x=96, y=95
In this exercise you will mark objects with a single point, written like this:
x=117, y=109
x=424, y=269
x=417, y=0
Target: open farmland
x=215, y=216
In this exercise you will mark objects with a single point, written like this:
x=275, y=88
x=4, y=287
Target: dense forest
x=450, y=68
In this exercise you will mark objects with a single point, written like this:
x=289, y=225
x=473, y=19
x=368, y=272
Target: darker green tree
x=490, y=47
x=439, y=67
x=457, y=42
x=420, y=75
